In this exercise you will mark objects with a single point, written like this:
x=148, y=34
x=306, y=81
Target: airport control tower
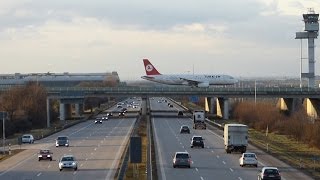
x=311, y=20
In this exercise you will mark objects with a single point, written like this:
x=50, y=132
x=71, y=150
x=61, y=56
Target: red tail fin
x=150, y=69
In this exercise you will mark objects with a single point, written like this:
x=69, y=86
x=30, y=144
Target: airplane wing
x=191, y=82
x=196, y=83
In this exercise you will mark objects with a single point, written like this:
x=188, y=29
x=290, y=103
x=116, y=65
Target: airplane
x=200, y=80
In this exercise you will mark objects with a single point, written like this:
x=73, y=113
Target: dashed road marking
x=218, y=156
x=201, y=178
x=223, y=162
x=39, y=174
x=231, y=169
x=197, y=169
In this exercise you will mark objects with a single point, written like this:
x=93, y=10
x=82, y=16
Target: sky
x=247, y=38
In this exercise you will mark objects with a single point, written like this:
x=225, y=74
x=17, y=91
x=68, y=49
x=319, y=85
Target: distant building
x=57, y=79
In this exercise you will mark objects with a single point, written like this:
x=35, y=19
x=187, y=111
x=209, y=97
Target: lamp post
x=3, y=134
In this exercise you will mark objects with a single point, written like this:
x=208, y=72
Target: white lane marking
x=74, y=172
x=163, y=175
x=17, y=165
x=182, y=147
x=197, y=169
x=261, y=163
x=212, y=151
x=215, y=134
x=218, y=156
x=239, y=178
x=119, y=152
x=201, y=178
x=223, y=162
x=95, y=149
x=39, y=174
x=231, y=169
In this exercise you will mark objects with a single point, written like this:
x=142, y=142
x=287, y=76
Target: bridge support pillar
x=62, y=111
x=78, y=110
x=313, y=107
x=290, y=104
x=211, y=105
x=144, y=106
x=48, y=112
x=223, y=108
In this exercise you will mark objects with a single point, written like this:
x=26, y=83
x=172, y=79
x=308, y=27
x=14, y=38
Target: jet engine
x=203, y=84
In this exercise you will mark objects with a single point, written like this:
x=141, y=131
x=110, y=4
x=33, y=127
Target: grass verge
x=138, y=170
x=7, y=155
x=294, y=153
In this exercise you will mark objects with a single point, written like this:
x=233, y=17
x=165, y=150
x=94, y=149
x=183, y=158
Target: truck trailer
x=235, y=137
x=199, y=120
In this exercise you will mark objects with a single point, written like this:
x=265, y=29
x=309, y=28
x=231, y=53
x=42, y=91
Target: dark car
x=121, y=113
x=269, y=173
x=180, y=113
x=184, y=129
x=98, y=120
x=62, y=141
x=197, y=141
x=181, y=159
x=45, y=154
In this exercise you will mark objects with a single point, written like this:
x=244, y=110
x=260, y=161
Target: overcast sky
x=246, y=38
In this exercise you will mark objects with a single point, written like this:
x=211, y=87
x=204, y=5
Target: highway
x=97, y=147
x=212, y=162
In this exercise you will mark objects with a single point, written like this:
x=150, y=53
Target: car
x=27, y=138
x=181, y=159
x=121, y=113
x=184, y=129
x=180, y=113
x=269, y=173
x=109, y=114
x=105, y=118
x=197, y=141
x=62, y=141
x=98, y=120
x=45, y=154
x=170, y=105
x=248, y=159
x=124, y=110
x=68, y=161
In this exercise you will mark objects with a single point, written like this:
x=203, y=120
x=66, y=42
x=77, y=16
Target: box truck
x=235, y=137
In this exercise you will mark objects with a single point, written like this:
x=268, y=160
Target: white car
x=269, y=173
x=27, y=138
x=68, y=161
x=248, y=159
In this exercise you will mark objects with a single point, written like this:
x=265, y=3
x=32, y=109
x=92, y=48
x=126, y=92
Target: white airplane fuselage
x=184, y=79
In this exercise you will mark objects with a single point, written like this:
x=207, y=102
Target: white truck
x=199, y=120
x=235, y=137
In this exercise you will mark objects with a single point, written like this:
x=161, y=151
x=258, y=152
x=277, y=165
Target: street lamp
x=3, y=133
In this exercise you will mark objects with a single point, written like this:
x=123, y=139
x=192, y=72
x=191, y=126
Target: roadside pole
x=3, y=134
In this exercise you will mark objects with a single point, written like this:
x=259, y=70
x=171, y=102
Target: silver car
x=248, y=159
x=68, y=161
x=181, y=159
x=27, y=138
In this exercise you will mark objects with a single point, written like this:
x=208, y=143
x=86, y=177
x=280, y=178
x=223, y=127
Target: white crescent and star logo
x=149, y=67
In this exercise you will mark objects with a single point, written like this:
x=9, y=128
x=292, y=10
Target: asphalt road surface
x=97, y=148
x=211, y=162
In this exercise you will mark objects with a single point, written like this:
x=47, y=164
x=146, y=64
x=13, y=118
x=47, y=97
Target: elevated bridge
x=217, y=98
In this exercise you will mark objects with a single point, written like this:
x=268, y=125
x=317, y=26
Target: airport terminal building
x=57, y=79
